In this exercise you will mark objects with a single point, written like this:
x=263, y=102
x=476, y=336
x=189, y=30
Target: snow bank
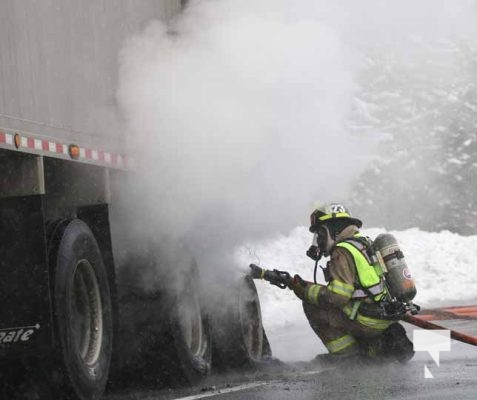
x=442, y=265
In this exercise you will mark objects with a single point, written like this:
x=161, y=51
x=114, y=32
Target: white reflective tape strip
x=238, y=388
x=374, y=290
x=32, y=143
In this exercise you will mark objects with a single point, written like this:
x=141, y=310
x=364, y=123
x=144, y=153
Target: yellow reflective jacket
x=351, y=277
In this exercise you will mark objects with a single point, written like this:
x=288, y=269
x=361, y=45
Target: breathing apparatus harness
x=388, y=305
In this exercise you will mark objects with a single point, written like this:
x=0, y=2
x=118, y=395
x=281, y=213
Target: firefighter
x=350, y=314
x=346, y=313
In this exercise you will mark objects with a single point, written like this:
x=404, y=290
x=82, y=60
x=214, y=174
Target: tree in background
x=421, y=106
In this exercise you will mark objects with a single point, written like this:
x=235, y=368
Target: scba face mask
x=314, y=251
x=321, y=245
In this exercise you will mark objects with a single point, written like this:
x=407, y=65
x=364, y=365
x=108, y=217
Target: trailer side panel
x=59, y=65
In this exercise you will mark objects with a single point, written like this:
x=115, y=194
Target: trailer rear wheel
x=239, y=337
x=250, y=318
x=189, y=329
x=83, y=314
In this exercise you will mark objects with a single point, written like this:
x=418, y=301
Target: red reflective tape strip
x=60, y=148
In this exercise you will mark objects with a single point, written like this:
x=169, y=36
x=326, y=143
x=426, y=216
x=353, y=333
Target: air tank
x=398, y=275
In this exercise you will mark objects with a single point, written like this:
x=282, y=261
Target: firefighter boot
x=392, y=345
x=397, y=344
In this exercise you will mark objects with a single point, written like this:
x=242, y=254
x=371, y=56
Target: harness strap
x=362, y=245
x=374, y=290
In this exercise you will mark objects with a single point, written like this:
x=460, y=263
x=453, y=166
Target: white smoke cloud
x=238, y=116
x=239, y=108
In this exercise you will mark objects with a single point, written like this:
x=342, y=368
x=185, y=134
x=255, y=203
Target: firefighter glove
x=298, y=285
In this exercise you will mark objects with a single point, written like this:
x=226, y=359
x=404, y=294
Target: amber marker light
x=74, y=151
x=17, y=139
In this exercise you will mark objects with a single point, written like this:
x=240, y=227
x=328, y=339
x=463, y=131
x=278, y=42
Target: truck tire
x=238, y=334
x=164, y=338
x=83, y=316
x=189, y=345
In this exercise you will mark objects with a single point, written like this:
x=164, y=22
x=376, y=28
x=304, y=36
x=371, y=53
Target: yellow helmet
x=330, y=213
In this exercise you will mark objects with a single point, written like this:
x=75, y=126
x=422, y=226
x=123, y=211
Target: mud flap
x=25, y=312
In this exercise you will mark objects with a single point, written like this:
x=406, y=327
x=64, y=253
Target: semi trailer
x=73, y=301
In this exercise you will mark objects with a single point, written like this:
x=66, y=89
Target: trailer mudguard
x=25, y=305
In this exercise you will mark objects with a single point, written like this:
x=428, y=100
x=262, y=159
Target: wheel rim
x=250, y=320
x=87, y=314
x=191, y=325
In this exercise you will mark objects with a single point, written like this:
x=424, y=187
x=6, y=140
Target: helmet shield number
x=337, y=208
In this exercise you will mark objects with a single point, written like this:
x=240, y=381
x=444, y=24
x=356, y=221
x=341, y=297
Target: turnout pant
x=338, y=333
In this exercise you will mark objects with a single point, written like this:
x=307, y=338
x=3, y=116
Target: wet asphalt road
x=455, y=378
